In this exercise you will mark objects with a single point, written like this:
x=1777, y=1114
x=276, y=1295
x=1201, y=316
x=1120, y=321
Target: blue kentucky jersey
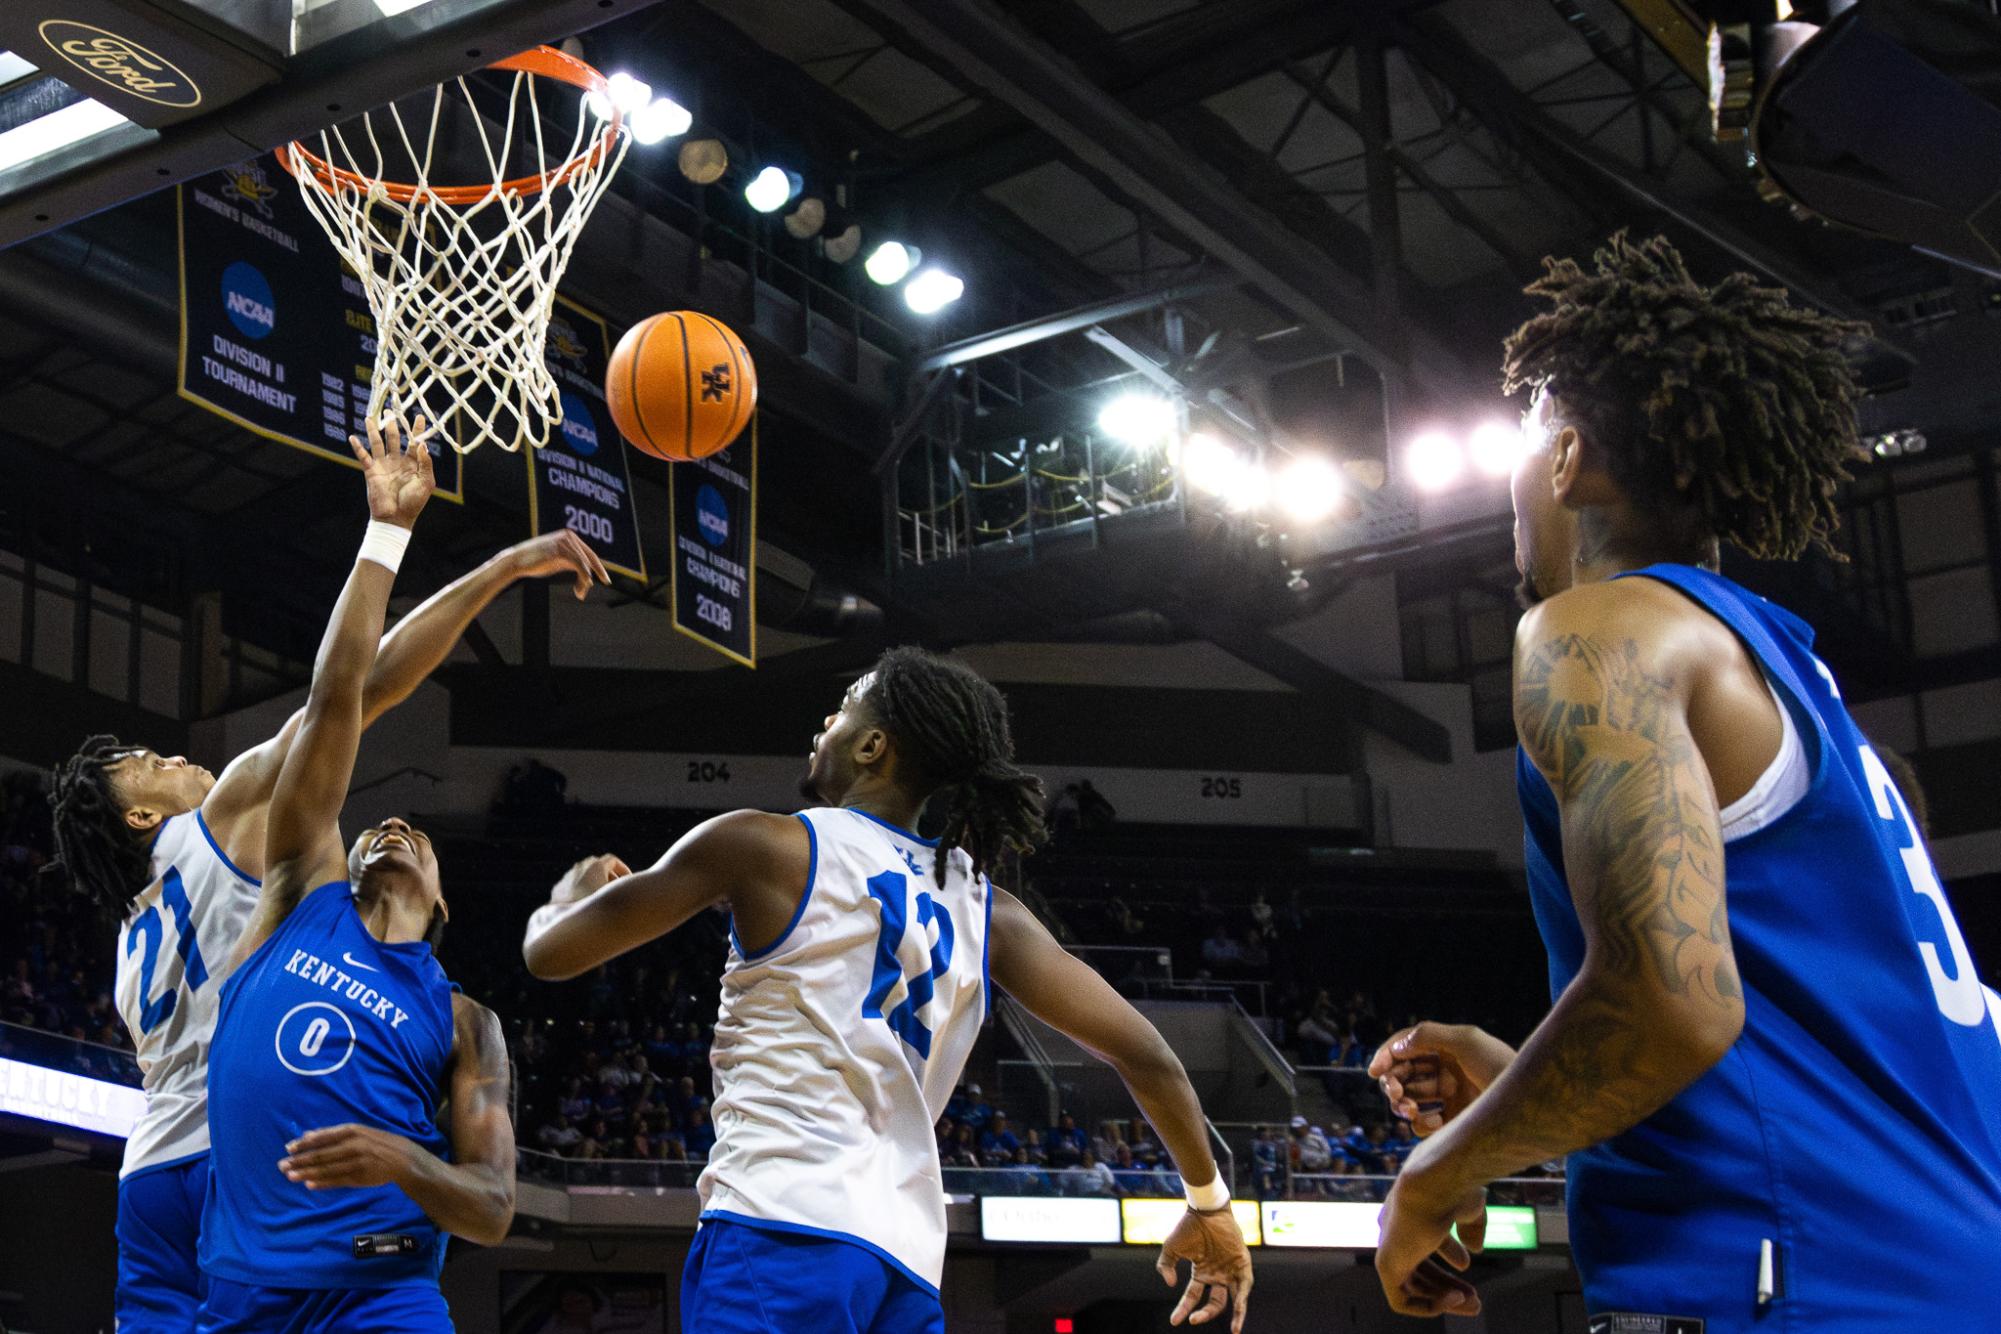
x=1856, y=1123
x=322, y=1026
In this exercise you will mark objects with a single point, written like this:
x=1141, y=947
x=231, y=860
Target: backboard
x=105, y=100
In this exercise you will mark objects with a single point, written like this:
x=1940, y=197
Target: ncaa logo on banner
x=315, y=1039
x=580, y=428
x=247, y=299
x=121, y=63
x=712, y=516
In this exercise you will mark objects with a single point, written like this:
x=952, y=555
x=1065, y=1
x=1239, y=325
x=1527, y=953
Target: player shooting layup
x=1772, y=1065
x=338, y=1038
x=857, y=980
x=176, y=854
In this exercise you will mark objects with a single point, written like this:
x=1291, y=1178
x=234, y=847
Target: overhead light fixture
x=1249, y=489
x=58, y=130
x=770, y=189
x=628, y=93
x=1138, y=419
x=704, y=161
x=391, y=8
x=1207, y=464
x=889, y=263
x=933, y=290
x=1433, y=460
x=843, y=245
x=662, y=118
x=1310, y=489
x=1495, y=447
x=806, y=220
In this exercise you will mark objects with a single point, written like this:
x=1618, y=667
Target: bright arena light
x=933, y=290
x=627, y=92
x=1310, y=489
x=769, y=190
x=1249, y=489
x=1433, y=460
x=1495, y=447
x=662, y=118
x=889, y=262
x=1207, y=464
x=1137, y=419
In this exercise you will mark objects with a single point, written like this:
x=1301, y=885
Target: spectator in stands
x=1347, y=1183
x=1320, y=1026
x=559, y=1136
x=1311, y=1152
x=1130, y=1176
x=1038, y=1152
x=1401, y=1142
x=535, y=789
x=1268, y=1154
x=1064, y=812
x=997, y=1141
x=573, y=1105
x=978, y=1111
x=701, y=1136
x=596, y=1144
x=1090, y=1176
x=1105, y=1144
x=1023, y=1177
x=1220, y=951
x=1261, y=917
x=965, y=1148
x=1067, y=1141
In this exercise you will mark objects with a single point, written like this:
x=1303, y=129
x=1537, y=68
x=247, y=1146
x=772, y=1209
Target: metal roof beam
x=979, y=41
x=1069, y=321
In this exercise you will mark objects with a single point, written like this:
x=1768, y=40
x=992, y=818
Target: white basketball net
x=462, y=284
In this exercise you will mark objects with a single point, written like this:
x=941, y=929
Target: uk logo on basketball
x=715, y=383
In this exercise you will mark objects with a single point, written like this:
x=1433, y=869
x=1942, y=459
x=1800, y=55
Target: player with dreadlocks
x=1770, y=1061
x=862, y=957
x=174, y=855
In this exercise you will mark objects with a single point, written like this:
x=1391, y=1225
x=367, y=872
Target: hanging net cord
x=462, y=290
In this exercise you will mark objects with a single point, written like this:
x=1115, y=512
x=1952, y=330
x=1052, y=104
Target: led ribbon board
x=78, y=1101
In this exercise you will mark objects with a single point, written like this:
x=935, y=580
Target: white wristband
x=384, y=543
x=1209, y=1198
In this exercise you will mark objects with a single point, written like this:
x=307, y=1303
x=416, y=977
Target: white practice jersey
x=178, y=936
x=838, y=1045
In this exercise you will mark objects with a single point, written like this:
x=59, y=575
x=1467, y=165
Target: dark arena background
x=1143, y=355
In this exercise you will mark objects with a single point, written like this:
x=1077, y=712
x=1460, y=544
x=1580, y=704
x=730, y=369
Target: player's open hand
x=348, y=1155
x=1431, y=1072
x=587, y=877
x=398, y=469
x=560, y=552
x=1421, y=1264
x=1218, y=1261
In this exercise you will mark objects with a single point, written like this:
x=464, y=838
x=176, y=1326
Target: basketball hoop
x=461, y=279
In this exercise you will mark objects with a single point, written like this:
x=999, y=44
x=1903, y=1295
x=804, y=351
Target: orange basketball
x=681, y=386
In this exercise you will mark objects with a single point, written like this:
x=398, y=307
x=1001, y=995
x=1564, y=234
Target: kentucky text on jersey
x=323, y=974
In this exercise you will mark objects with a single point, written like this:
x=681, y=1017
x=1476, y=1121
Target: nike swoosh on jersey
x=353, y=962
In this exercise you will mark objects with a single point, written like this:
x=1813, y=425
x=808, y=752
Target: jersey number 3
x=146, y=934
x=888, y=890
x=1960, y=996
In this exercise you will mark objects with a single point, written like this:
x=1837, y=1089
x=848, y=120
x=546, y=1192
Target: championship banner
x=579, y=479
x=714, y=523
x=275, y=334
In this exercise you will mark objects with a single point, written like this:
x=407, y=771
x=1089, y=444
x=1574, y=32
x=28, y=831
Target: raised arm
x=1068, y=994
x=755, y=862
x=420, y=642
x=1601, y=705
x=302, y=834
x=472, y=1196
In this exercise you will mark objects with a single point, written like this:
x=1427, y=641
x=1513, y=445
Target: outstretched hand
x=560, y=552
x=399, y=472
x=587, y=877
x=1218, y=1261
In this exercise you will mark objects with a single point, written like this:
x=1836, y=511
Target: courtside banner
x=1049, y=1219
x=714, y=523
x=78, y=1101
x=275, y=334
x=579, y=479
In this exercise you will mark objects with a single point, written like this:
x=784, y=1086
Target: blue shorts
x=746, y=1279
x=239, y=1308
x=160, y=1285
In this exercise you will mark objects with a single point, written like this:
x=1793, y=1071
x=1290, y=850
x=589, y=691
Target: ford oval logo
x=121, y=63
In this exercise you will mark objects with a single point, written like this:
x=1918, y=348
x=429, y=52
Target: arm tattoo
x=1644, y=860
